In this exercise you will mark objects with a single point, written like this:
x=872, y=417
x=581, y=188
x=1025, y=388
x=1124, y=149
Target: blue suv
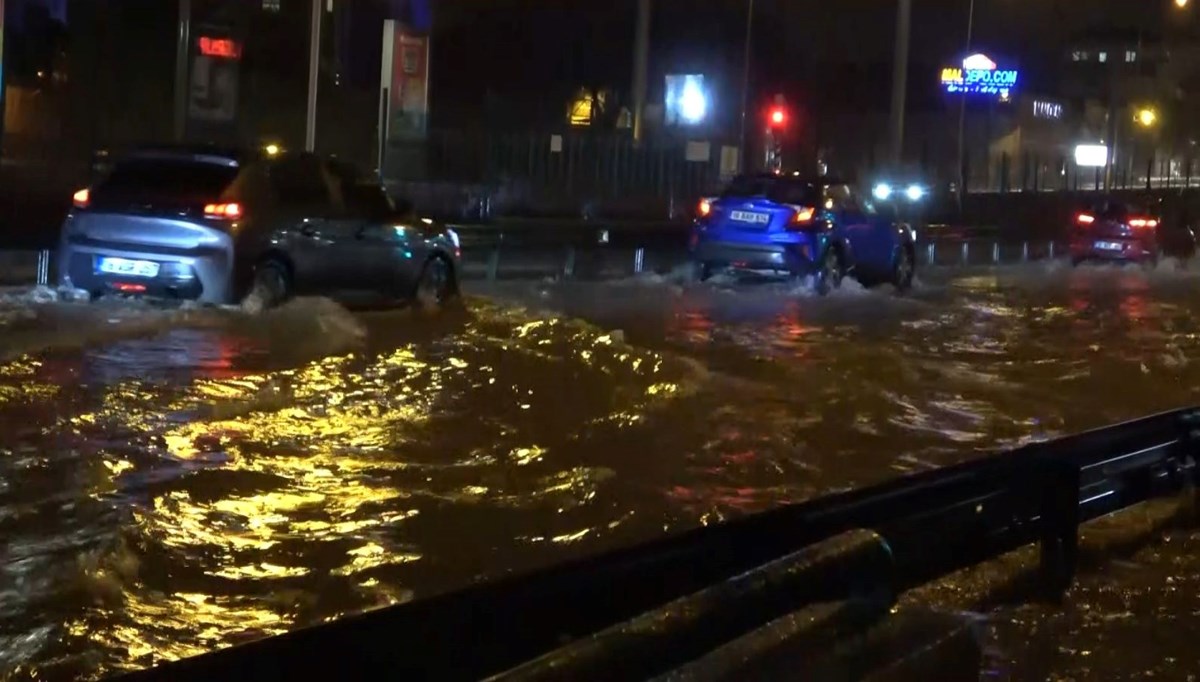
x=802, y=227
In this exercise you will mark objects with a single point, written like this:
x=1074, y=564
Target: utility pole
x=314, y=63
x=962, y=118
x=742, y=145
x=641, y=65
x=183, y=54
x=900, y=79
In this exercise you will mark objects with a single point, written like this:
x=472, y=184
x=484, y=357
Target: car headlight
x=882, y=191
x=915, y=192
x=453, y=236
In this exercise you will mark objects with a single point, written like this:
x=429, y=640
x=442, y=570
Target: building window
x=271, y=5
x=1130, y=56
x=1079, y=56
x=1103, y=57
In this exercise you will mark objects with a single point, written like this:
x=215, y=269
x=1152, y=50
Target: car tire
x=904, y=270
x=829, y=274
x=436, y=285
x=272, y=283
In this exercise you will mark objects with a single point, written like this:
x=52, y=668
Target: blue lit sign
x=979, y=75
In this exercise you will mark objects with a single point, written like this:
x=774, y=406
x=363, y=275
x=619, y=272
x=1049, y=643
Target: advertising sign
x=979, y=75
x=213, y=95
x=686, y=100
x=1091, y=155
x=1045, y=109
x=404, y=82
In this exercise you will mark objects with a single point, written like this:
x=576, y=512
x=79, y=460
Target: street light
x=1147, y=116
x=1182, y=4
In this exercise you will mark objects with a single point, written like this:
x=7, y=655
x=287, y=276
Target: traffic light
x=777, y=117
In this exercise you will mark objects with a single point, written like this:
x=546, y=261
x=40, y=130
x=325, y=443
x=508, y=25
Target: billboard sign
x=213, y=95
x=979, y=75
x=687, y=100
x=405, y=82
x=1091, y=155
x=1047, y=109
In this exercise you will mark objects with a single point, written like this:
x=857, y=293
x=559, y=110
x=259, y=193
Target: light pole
x=641, y=65
x=960, y=172
x=182, y=73
x=900, y=79
x=314, y=63
x=745, y=85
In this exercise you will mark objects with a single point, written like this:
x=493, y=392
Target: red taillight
x=229, y=211
x=803, y=215
x=82, y=198
x=1085, y=219
x=705, y=208
x=1143, y=222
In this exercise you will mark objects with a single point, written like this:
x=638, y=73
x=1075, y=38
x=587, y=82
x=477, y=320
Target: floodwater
x=173, y=481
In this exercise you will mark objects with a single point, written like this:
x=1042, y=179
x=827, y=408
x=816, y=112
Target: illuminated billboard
x=979, y=75
x=687, y=100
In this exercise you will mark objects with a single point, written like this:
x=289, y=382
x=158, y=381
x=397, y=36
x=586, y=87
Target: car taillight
x=705, y=208
x=1143, y=222
x=227, y=211
x=82, y=198
x=803, y=215
x=1085, y=219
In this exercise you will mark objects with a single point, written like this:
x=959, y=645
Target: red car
x=1115, y=231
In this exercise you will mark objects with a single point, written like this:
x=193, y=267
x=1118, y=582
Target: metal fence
x=549, y=173
x=1003, y=173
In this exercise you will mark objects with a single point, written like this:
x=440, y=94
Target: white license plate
x=750, y=217
x=125, y=266
x=1110, y=246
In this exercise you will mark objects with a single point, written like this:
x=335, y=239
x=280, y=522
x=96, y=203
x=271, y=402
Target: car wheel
x=272, y=284
x=829, y=274
x=903, y=271
x=436, y=285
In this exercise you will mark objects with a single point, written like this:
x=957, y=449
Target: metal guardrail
x=647, y=611
x=505, y=259
x=500, y=255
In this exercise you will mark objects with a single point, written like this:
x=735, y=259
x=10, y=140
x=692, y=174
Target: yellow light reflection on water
x=330, y=459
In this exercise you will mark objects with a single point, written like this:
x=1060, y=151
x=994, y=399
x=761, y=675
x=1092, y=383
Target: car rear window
x=779, y=190
x=165, y=179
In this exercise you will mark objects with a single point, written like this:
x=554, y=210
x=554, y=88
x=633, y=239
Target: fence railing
x=650, y=610
x=1031, y=172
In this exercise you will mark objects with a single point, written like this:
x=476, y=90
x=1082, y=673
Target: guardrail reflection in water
x=647, y=611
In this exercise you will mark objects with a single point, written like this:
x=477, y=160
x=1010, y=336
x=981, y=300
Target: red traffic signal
x=777, y=117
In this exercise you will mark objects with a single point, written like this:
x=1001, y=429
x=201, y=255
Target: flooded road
x=173, y=481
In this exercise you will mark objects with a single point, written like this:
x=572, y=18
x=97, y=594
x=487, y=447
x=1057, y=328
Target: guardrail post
x=43, y=268
x=569, y=266
x=1059, y=525
x=493, y=268
x=931, y=253
x=996, y=253
x=966, y=252
x=1051, y=250
x=1024, y=252
x=639, y=260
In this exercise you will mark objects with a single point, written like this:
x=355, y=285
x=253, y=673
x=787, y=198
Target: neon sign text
x=979, y=75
